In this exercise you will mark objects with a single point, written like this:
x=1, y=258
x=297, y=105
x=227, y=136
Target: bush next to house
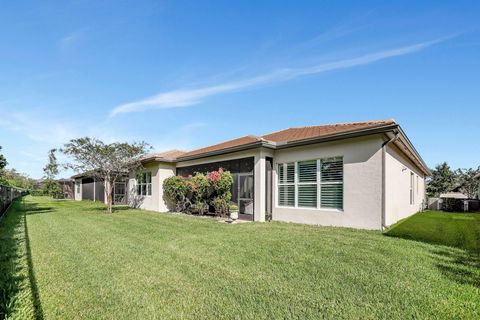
x=175, y=192
x=198, y=193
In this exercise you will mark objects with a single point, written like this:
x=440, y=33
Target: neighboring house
x=66, y=186
x=360, y=174
x=87, y=187
x=453, y=195
x=478, y=177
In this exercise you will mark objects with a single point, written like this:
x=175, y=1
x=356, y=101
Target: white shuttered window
x=311, y=184
x=286, y=184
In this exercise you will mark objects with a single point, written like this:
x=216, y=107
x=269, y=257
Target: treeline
x=13, y=178
x=445, y=179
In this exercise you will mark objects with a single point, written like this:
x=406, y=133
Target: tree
x=443, y=180
x=50, y=186
x=51, y=169
x=3, y=161
x=12, y=177
x=468, y=181
x=3, y=164
x=107, y=162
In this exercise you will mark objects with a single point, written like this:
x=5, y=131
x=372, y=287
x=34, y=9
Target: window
x=311, y=184
x=417, y=186
x=411, y=187
x=307, y=184
x=331, y=183
x=144, y=184
x=286, y=184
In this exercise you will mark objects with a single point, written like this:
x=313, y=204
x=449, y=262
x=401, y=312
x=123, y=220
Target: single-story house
x=360, y=174
x=88, y=187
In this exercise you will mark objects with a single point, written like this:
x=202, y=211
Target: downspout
x=384, y=153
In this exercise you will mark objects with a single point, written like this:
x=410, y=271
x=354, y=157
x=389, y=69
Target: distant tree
x=107, y=162
x=50, y=186
x=469, y=184
x=3, y=164
x=14, y=178
x=3, y=161
x=443, y=180
x=51, y=168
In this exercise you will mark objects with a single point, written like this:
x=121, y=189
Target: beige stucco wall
x=155, y=202
x=362, y=206
x=397, y=186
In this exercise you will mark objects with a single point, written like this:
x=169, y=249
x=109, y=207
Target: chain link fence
x=7, y=195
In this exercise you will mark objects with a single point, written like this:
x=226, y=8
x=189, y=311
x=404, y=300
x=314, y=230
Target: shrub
x=175, y=191
x=195, y=193
x=451, y=204
x=52, y=188
x=221, y=204
x=36, y=192
x=233, y=207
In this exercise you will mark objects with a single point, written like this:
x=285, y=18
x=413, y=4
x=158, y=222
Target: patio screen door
x=245, y=193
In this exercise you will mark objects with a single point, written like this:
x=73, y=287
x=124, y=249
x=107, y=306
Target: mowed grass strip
x=454, y=229
x=146, y=265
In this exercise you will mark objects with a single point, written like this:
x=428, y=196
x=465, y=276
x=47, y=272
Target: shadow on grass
x=15, y=257
x=115, y=208
x=462, y=267
x=459, y=258
x=37, y=305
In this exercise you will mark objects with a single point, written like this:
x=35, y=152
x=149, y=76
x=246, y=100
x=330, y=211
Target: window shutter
x=286, y=186
x=307, y=195
x=307, y=184
x=307, y=171
x=286, y=195
x=332, y=196
x=331, y=189
x=332, y=170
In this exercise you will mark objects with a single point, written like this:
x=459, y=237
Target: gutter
x=384, y=153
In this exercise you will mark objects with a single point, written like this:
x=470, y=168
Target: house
x=478, y=178
x=360, y=174
x=88, y=187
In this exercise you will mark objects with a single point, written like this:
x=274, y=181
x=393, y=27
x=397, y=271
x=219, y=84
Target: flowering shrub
x=175, y=191
x=195, y=194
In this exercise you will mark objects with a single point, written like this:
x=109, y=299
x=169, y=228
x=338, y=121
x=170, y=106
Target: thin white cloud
x=72, y=39
x=187, y=97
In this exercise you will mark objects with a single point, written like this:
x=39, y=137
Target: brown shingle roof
x=224, y=145
x=283, y=136
x=301, y=133
x=167, y=155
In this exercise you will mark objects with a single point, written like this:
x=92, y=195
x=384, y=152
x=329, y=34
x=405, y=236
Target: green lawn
x=460, y=230
x=66, y=260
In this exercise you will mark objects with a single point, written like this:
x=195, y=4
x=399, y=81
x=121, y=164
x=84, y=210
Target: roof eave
x=415, y=152
x=257, y=144
x=338, y=136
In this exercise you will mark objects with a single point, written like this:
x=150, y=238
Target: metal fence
x=7, y=195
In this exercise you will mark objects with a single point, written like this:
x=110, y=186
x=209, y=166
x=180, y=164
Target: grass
x=68, y=260
x=460, y=230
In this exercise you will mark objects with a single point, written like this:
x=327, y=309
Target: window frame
x=142, y=184
x=318, y=183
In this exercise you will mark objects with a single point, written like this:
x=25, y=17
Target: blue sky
x=183, y=74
